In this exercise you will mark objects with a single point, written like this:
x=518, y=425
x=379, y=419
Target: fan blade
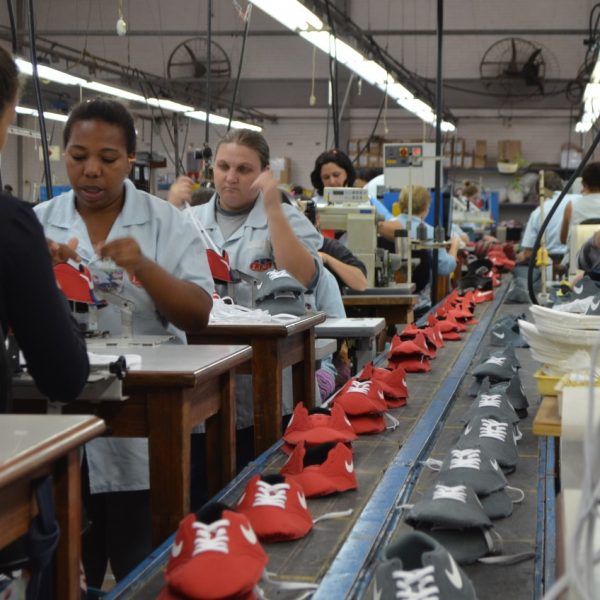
x=532, y=58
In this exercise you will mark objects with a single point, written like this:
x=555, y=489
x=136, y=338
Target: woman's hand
x=180, y=192
x=125, y=252
x=61, y=253
x=267, y=184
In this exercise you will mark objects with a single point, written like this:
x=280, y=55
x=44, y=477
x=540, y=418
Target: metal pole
x=208, y=68
x=438, y=145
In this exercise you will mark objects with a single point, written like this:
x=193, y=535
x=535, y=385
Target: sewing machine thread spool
x=439, y=235
x=401, y=243
x=422, y=232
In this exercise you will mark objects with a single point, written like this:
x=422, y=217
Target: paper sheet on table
x=103, y=360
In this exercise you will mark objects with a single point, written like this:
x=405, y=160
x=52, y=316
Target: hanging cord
x=374, y=127
x=333, y=77
x=209, y=67
x=246, y=17
x=312, y=100
x=38, y=98
x=13, y=27
x=551, y=212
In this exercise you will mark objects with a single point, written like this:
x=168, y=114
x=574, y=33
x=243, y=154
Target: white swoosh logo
x=348, y=422
x=595, y=305
x=454, y=574
x=349, y=466
x=578, y=289
x=468, y=430
x=377, y=593
x=494, y=464
x=249, y=534
x=404, y=382
x=499, y=335
x=176, y=549
x=302, y=500
x=242, y=498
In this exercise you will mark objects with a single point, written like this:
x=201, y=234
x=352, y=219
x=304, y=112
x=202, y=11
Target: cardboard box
x=509, y=150
x=281, y=169
x=480, y=148
x=457, y=159
x=479, y=162
x=467, y=160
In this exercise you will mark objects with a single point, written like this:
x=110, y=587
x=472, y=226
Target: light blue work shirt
x=164, y=236
x=446, y=263
x=249, y=248
x=552, y=234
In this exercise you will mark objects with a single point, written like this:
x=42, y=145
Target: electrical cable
x=38, y=98
x=236, y=86
x=550, y=214
x=13, y=26
x=208, y=68
x=333, y=77
x=372, y=134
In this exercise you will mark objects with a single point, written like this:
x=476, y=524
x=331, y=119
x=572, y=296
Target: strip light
x=32, y=112
x=57, y=76
x=295, y=16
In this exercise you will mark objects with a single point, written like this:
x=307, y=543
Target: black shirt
x=34, y=308
x=338, y=250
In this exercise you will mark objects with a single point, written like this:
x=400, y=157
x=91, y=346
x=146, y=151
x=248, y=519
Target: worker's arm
x=564, y=228
x=352, y=276
x=386, y=229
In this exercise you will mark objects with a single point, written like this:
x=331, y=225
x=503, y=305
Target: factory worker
x=332, y=169
x=167, y=279
x=41, y=328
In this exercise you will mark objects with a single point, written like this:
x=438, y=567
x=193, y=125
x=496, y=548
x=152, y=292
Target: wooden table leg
x=267, y=386
x=169, y=431
x=67, y=494
x=220, y=436
x=303, y=373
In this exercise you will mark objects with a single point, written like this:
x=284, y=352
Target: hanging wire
x=246, y=17
x=13, y=27
x=39, y=102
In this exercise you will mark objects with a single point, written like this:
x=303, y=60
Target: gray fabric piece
x=483, y=475
x=517, y=292
x=514, y=392
x=466, y=546
x=497, y=505
x=438, y=509
x=501, y=335
x=415, y=550
x=495, y=405
x=496, y=367
x=495, y=437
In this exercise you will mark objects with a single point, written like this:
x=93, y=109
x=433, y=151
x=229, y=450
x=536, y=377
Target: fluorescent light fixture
x=169, y=105
x=290, y=13
x=32, y=112
x=48, y=73
x=113, y=91
x=200, y=115
x=295, y=16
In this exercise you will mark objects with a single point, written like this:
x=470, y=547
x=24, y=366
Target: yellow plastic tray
x=546, y=383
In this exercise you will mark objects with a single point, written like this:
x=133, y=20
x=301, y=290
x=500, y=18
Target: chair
x=578, y=235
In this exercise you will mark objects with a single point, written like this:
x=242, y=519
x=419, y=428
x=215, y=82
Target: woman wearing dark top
x=31, y=305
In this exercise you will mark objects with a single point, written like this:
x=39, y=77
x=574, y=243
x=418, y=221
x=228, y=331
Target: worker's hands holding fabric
x=61, y=253
x=126, y=253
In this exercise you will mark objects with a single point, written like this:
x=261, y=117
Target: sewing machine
x=349, y=210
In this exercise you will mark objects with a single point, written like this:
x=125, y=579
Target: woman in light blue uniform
x=167, y=279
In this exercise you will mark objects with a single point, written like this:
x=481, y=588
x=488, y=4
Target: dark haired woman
x=168, y=282
x=30, y=303
x=332, y=169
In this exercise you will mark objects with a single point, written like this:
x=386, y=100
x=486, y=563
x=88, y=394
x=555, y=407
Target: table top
x=28, y=442
x=547, y=421
x=350, y=327
x=180, y=364
x=384, y=299
x=261, y=329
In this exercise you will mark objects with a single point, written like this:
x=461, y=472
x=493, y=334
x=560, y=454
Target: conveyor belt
x=339, y=554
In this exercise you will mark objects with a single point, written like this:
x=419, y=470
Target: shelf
x=518, y=205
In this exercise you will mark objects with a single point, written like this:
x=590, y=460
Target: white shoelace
x=393, y=421
x=360, y=387
x=416, y=585
x=225, y=311
x=493, y=429
x=211, y=538
x=449, y=492
x=490, y=400
x=496, y=360
x=271, y=495
x=466, y=459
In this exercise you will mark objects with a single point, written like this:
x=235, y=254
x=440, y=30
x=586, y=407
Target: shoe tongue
x=273, y=479
x=317, y=455
x=211, y=512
